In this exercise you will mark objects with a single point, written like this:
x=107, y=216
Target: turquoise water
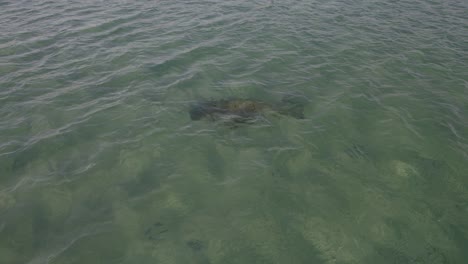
x=100, y=162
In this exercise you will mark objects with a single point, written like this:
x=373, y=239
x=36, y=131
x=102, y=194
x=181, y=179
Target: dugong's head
x=196, y=112
x=199, y=110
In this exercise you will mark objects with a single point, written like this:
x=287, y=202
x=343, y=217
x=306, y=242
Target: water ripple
x=94, y=98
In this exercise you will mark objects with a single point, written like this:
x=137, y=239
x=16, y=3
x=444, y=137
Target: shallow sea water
x=100, y=162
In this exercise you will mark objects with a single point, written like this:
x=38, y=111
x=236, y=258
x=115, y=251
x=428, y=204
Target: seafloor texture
x=100, y=162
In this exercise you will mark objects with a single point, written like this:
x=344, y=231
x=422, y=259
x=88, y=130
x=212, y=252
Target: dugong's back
x=241, y=110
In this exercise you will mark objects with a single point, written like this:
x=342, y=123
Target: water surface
x=100, y=162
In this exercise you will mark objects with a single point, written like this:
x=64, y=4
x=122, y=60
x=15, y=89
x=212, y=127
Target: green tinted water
x=100, y=162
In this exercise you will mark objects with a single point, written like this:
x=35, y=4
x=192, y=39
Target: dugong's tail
x=293, y=105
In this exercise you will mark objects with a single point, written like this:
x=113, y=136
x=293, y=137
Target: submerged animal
x=239, y=110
